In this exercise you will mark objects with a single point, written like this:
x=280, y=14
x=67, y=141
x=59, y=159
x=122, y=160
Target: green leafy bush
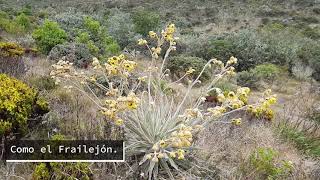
x=179, y=65
x=48, y=35
x=251, y=48
x=265, y=72
x=18, y=102
x=309, y=54
x=23, y=21
x=267, y=164
x=120, y=27
x=145, y=21
x=77, y=53
x=305, y=143
x=70, y=21
x=95, y=36
x=62, y=171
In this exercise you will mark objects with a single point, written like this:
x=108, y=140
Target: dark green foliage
x=48, y=35
x=309, y=54
x=23, y=21
x=178, y=65
x=121, y=28
x=97, y=39
x=313, y=33
x=265, y=72
x=266, y=164
x=77, y=53
x=145, y=21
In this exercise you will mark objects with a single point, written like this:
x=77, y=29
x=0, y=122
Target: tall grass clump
x=160, y=128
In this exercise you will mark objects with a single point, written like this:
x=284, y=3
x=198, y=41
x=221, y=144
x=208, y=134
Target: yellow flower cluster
x=216, y=111
x=117, y=65
x=142, y=42
x=263, y=110
x=173, y=146
x=236, y=122
x=122, y=103
x=192, y=113
x=232, y=60
x=234, y=100
x=190, y=70
x=168, y=33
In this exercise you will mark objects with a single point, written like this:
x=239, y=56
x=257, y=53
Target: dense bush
x=267, y=164
x=145, y=21
x=120, y=27
x=309, y=54
x=77, y=53
x=261, y=73
x=251, y=48
x=179, y=65
x=97, y=39
x=23, y=21
x=48, y=35
x=11, y=61
x=69, y=20
x=18, y=102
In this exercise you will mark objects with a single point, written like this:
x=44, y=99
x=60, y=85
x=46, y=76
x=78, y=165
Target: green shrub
x=54, y=170
x=309, y=54
x=18, y=102
x=265, y=72
x=121, y=28
x=77, y=53
x=221, y=49
x=267, y=165
x=179, y=65
x=96, y=38
x=251, y=48
x=308, y=145
x=313, y=33
x=48, y=35
x=145, y=21
x=23, y=21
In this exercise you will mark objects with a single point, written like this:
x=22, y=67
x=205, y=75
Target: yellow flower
x=119, y=122
x=220, y=97
x=148, y=156
x=129, y=65
x=235, y=106
x=272, y=100
x=160, y=155
x=190, y=70
x=231, y=95
x=143, y=78
x=122, y=57
x=232, y=60
x=162, y=144
x=152, y=34
x=172, y=154
x=250, y=108
x=132, y=105
x=114, y=61
x=142, y=42
x=236, y=122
